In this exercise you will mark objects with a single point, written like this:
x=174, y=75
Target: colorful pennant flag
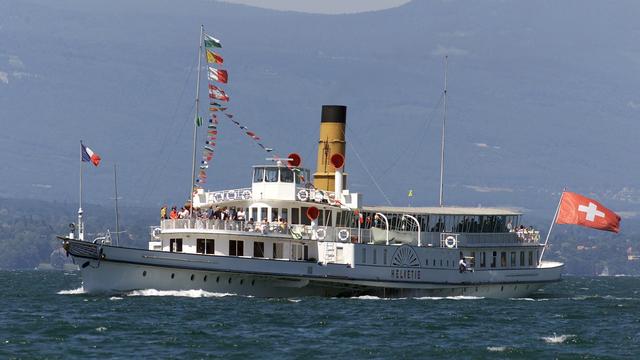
x=210, y=41
x=218, y=75
x=217, y=93
x=213, y=58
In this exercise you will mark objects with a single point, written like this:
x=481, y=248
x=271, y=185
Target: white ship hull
x=116, y=269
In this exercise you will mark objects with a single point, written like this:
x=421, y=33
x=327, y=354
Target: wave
x=459, y=297
x=557, y=339
x=115, y=298
x=178, y=293
x=79, y=290
x=496, y=348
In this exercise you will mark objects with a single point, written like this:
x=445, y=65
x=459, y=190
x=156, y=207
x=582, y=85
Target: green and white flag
x=210, y=41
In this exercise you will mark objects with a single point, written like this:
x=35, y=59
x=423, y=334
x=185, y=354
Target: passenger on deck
x=163, y=212
x=174, y=214
x=184, y=213
x=250, y=225
x=509, y=227
x=264, y=226
x=240, y=215
x=462, y=265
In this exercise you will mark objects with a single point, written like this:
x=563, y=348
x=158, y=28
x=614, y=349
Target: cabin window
x=375, y=256
x=473, y=259
x=258, y=174
x=440, y=262
x=295, y=216
x=175, y=245
x=254, y=214
x=530, y=258
x=205, y=246
x=384, y=256
x=278, y=250
x=364, y=255
x=503, y=259
x=264, y=215
x=537, y=257
x=513, y=259
x=236, y=248
x=304, y=219
x=483, y=259
x=271, y=175
x=300, y=252
x=258, y=249
x=521, y=258
x=493, y=261
x=321, y=218
x=286, y=175
x=274, y=214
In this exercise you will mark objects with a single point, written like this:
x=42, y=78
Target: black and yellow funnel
x=331, y=142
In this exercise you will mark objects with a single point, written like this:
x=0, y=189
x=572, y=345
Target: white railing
x=307, y=232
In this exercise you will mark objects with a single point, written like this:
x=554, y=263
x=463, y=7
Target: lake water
x=47, y=315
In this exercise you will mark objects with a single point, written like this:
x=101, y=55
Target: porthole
x=144, y=273
x=192, y=276
x=205, y=278
x=173, y=275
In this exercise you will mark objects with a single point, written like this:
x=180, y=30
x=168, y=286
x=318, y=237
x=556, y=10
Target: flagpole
x=544, y=247
x=80, y=224
x=195, y=122
x=444, y=120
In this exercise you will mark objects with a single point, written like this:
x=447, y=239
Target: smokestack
x=331, y=142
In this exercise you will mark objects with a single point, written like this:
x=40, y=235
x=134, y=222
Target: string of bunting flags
x=217, y=96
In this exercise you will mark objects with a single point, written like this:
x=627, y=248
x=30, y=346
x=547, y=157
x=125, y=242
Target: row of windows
x=526, y=259
x=236, y=248
x=274, y=174
x=274, y=214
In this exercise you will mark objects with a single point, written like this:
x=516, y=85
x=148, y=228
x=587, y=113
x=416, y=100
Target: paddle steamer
x=300, y=238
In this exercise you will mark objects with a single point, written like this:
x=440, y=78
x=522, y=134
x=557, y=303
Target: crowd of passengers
x=235, y=218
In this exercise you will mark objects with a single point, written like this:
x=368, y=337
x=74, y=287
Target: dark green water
x=582, y=318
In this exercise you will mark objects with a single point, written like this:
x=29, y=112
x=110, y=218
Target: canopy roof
x=445, y=210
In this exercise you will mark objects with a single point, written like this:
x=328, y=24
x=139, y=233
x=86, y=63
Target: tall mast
x=115, y=183
x=444, y=120
x=195, y=121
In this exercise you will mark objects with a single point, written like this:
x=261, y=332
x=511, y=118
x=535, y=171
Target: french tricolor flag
x=89, y=156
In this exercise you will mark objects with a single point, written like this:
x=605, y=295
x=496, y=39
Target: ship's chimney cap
x=334, y=114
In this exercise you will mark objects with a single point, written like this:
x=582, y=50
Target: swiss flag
x=580, y=210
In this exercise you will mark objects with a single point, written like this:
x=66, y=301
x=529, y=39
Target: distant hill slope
x=542, y=95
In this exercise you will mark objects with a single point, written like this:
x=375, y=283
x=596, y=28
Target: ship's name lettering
x=405, y=274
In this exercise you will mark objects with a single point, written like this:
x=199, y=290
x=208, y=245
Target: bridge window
x=274, y=214
x=236, y=248
x=271, y=175
x=258, y=249
x=286, y=175
x=258, y=174
x=263, y=214
x=285, y=214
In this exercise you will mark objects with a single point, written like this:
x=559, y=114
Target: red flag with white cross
x=580, y=210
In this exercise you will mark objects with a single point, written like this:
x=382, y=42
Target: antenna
x=444, y=120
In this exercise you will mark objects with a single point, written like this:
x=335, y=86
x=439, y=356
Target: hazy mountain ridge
x=540, y=97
